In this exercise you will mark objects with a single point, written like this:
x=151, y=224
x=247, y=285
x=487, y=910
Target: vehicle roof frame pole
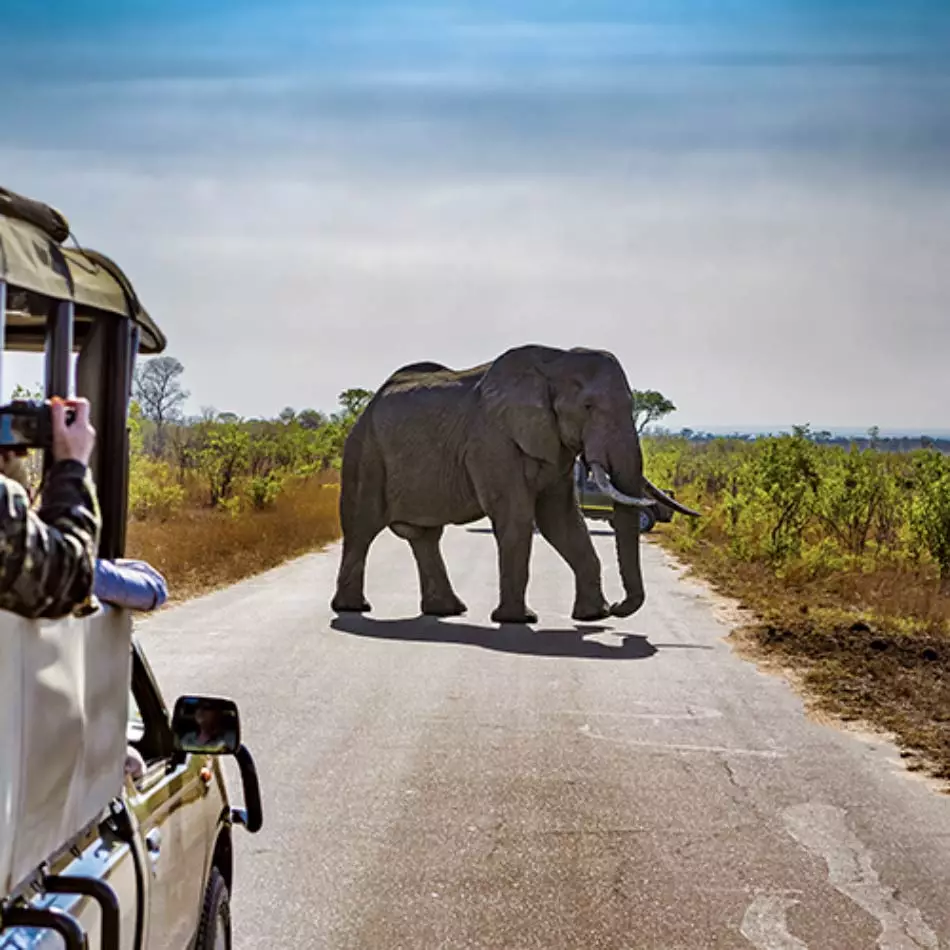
x=59, y=348
x=113, y=474
x=3, y=326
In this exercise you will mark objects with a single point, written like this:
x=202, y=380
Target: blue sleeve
x=132, y=584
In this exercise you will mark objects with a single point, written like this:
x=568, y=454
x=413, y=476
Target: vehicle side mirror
x=206, y=725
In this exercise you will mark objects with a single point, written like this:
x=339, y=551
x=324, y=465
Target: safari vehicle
x=598, y=506
x=90, y=856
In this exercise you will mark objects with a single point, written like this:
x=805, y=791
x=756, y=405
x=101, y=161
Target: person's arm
x=132, y=584
x=47, y=558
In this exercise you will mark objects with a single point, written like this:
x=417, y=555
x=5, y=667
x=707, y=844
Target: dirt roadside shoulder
x=871, y=682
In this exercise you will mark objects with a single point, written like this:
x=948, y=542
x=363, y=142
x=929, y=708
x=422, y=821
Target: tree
x=222, y=458
x=354, y=401
x=311, y=419
x=159, y=392
x=648, y=406
x=287, y=414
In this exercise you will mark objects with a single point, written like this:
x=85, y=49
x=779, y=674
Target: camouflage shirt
x=48, y=557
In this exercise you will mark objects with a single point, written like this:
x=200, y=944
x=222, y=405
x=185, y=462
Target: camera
x=28, y=424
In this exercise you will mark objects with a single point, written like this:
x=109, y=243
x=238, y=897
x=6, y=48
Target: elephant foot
x=342, y=604
x=444, y=607
x=591, y=610
x=513, y=615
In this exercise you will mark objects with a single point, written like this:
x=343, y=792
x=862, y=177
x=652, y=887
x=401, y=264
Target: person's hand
x=74, y=442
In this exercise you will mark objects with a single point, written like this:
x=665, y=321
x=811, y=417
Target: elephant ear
x=517, y=397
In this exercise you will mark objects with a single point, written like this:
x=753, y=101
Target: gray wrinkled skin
x=439, y=446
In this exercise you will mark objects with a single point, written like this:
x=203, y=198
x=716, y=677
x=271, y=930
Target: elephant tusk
x=665, y=499
x=603, y=482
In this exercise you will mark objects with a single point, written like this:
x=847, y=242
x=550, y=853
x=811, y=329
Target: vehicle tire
x=647, y=520
x=214, y=930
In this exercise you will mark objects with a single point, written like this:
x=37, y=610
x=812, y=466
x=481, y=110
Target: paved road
x=631, y=784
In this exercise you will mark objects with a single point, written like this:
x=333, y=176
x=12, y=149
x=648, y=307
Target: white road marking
x=652, y=711
x=822, y=830
x=764, y=924
x=681, y=746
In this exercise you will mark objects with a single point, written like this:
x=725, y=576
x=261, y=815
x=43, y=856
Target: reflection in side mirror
x=206, y=725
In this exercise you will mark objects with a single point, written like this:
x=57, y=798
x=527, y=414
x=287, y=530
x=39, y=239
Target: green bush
x=791, y=499
x=154, y=491
x=263, y=490
x=930, y=509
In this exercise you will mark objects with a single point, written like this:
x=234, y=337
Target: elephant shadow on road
x=504, y=638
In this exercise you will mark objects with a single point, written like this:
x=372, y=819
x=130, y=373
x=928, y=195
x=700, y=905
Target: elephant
x=437, y=446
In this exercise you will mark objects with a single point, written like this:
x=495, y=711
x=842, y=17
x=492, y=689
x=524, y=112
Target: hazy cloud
x=750, y=207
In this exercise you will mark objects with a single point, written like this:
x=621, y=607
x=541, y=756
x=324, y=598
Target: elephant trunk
x=624, y=469
x=627, y=537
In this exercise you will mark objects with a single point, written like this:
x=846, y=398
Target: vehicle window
x=147, y=728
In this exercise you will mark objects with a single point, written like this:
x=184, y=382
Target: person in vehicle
x=134, y=763
x=135, y=585
x=210, y=732
x=132, y=584
x=48, y=556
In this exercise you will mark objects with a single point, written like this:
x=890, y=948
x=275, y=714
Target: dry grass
x=868, y=644
x=198, y=549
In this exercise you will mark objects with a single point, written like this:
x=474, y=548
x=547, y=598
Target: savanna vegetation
x=216, y=497
x=840, y=548
x=843, y=552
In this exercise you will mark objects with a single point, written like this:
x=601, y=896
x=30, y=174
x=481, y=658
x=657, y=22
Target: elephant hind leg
x=363, y=517
x=349, y=597
x=438, y=598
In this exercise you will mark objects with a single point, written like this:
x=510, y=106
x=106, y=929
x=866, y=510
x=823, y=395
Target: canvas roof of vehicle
x=37, y=267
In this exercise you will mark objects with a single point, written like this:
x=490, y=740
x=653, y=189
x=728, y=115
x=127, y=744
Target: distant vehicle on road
x=597, y=506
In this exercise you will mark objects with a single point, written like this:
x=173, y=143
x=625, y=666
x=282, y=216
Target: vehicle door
x=102, y=855
x=169, y=805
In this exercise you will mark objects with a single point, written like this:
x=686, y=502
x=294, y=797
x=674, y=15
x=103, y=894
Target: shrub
x=930, y=509
x=154, y=491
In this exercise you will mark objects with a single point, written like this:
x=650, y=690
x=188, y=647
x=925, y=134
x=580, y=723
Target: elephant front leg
x=563, y=527
x=514, y=554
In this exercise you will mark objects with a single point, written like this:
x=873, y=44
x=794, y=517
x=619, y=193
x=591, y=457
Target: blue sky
x=747, y=201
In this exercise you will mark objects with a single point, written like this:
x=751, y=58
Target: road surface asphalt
x=627, y=784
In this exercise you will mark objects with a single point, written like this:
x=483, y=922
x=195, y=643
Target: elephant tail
x=362, y=479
